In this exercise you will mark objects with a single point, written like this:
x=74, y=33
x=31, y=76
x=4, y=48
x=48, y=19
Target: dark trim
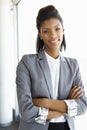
x=15, y=118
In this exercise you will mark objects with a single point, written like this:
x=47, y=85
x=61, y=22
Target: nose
x=53, y=34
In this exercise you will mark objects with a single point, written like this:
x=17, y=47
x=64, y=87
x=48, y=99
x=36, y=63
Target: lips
x=54, y=41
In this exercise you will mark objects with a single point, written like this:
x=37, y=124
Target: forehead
x=52, y=22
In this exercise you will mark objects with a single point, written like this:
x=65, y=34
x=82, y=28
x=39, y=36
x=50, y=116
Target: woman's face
x=51, y=32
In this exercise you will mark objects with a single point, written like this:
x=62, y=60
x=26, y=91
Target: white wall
x=75, y=23
x=8, y=62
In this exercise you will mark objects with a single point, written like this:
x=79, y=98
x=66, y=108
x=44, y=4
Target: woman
x=49, y=86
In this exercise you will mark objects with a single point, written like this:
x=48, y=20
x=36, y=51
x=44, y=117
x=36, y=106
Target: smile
x=54, y=41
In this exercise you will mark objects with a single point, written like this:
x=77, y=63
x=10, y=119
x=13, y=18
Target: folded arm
x=54, y=114
x=58, y=105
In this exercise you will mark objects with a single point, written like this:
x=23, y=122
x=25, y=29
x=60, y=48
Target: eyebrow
x=54, y=26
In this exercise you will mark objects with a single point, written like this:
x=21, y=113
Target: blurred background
x=18, y=37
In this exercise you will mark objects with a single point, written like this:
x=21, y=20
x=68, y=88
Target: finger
x=73, y=90
x=76, y=90
x=79, y=94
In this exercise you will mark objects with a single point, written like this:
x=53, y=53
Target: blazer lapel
x=46, y=72
x=61, y=77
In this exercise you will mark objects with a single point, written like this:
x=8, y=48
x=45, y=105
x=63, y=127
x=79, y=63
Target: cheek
x=61, y=36
x=45, y=39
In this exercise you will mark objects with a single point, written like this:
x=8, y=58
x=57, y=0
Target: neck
x=54, y=54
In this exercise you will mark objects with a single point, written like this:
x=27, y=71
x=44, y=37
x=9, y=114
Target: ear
x=63, y=30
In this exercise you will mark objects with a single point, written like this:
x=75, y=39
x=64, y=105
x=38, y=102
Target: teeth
x=54, y=41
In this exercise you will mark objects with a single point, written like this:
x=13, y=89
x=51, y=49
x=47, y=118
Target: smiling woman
x=51, y=32
x=49, y=86
x=44, y=71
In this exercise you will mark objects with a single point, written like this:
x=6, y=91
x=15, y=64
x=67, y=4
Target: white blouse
x=54, y=65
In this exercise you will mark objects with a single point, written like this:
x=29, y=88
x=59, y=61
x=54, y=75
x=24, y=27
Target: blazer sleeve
x=27, y=109
x=81, y=102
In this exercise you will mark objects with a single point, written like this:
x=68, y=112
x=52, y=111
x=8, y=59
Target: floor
x=14, y=126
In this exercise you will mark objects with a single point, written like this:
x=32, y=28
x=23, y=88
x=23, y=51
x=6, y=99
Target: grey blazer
x=34, y=80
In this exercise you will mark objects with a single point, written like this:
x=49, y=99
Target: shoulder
x=27, y=60
x=71, y=62
x=28, y=57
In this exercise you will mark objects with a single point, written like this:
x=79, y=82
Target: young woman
x=49, y=86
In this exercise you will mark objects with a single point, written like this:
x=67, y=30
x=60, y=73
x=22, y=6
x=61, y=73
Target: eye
x=58, y=29
x=45, y=31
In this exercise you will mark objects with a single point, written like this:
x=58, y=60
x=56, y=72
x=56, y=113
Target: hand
x=75, y=93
